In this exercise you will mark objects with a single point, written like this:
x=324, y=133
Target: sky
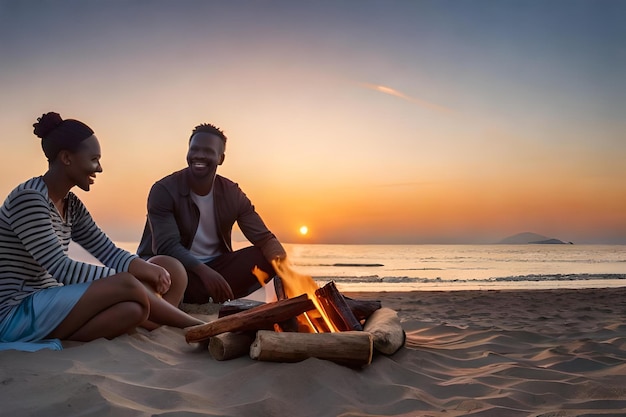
x=374, y=122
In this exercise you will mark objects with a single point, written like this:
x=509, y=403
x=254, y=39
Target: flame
x=296, y=284
x=260, y=275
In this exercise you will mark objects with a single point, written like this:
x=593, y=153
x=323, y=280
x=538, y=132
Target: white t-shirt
x=206, y=244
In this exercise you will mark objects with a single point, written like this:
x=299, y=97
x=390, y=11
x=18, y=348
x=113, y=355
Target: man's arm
x=254, y=229
x=166, y=237
x=216, y=286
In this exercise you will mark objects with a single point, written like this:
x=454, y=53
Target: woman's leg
x=165, y=311
x=110, y=307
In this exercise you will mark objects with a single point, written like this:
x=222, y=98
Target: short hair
x=209, y=128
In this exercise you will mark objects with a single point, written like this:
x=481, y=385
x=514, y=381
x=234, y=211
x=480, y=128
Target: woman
x=46, y=295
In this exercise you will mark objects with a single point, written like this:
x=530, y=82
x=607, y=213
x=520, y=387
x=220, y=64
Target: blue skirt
x=27, y=325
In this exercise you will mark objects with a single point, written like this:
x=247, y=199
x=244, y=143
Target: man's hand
x=215, y=284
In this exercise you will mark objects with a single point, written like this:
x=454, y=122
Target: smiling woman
x=45, y=294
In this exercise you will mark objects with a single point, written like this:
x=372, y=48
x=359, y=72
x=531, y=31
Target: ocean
x=454, y=267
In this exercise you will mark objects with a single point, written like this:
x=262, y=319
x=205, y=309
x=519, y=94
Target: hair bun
x=46, y=124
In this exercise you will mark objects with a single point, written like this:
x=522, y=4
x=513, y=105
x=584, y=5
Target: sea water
x=449, y=267
x=454, y=267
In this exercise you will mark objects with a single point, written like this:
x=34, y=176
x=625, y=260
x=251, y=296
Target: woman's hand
x=151, y=274
x=163, y=280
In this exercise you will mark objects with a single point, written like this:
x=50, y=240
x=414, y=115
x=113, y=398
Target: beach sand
x=468, y=353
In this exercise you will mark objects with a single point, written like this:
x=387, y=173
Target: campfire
x=306, y=321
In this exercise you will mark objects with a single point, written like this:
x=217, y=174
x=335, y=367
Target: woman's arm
x=86, y=233
x=29, y=218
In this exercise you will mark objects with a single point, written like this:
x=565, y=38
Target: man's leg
x=236, y=267
x=196, y=292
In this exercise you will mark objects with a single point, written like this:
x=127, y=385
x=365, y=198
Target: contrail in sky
x=422, y=103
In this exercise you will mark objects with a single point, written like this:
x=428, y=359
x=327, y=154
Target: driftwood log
x=351, y=348
x=384, y=326
x=261, y=317
x=230, y=345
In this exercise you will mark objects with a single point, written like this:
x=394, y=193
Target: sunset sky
x=366, y=121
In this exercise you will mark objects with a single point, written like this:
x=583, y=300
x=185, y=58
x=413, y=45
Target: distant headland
x=531, y=238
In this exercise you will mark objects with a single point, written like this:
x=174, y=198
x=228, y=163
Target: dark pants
x=236, y=268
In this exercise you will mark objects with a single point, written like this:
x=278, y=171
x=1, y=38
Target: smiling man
x=191, y=214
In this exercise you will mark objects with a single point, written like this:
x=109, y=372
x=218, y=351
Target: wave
x=342, y=265
x=517, y=278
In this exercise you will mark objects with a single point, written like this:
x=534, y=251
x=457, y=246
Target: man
x=191, y=214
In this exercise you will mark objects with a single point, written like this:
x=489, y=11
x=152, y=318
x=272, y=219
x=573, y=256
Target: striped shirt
x=34, y=241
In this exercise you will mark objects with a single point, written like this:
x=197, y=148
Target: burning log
x=257, y=318
x=361, y=309
x=232, y=334
x=384, y=325
x=230, y=345
x=336, y=308
x=237, y=306
x=351, y=348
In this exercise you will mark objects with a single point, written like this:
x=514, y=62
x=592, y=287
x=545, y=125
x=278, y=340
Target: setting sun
x=304, y=230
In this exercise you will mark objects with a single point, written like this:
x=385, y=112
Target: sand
x=468, y=353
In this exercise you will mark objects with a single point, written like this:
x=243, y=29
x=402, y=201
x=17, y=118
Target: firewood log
x=261, y=317
x=362, y=309
x=384, y=325
x=230, y=345
x=237, y=306
x=336, y=307
x=351, y=348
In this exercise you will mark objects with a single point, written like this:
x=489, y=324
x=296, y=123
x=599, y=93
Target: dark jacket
x=173, y=218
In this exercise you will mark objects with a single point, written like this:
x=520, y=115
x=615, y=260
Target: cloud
x=422, y=103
